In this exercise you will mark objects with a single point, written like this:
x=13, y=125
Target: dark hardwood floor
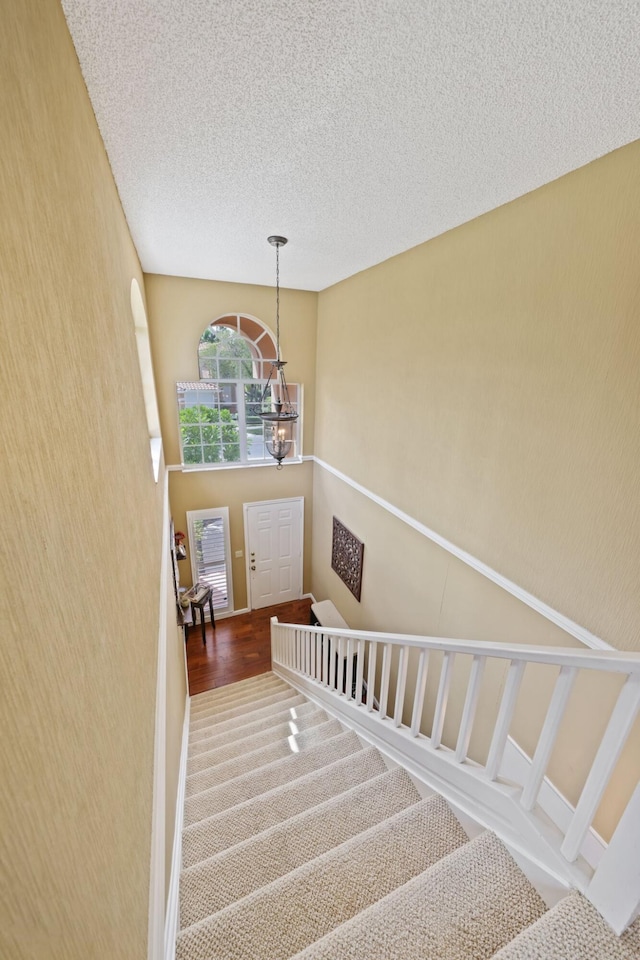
x=239, y=647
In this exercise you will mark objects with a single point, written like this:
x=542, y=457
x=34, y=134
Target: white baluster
x=614, y=739
x=350, y=657
x=470, y=707
x=401, y=686
x=325, y=659
x=441, y=701
x=371, y=674
x=333, y=644
x=505, y=716
x=341, y=678
x=384, y=689
x=312, y=655
x=421, y=686
x=360, y=672
x=318, y=657
x=550, y=728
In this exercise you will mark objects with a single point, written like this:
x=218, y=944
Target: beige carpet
x=300, y=843
x=573, y=930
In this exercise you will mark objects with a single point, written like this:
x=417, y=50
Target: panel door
x=274, y=551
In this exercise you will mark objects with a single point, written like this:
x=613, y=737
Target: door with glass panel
x=210, y=554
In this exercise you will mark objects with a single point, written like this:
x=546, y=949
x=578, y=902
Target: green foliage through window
x=209, y=435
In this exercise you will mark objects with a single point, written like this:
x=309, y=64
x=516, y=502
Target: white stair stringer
x=492, y=805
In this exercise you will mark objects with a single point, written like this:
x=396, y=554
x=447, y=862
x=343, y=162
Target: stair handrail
x=312, y=654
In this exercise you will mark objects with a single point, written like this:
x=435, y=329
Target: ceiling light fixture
x=275, y=407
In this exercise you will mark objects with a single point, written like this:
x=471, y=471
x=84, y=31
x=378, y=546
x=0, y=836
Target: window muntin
x=219, y=422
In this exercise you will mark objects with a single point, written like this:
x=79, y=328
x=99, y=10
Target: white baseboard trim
x=309, y=596
x=569, y=626
x=515, y=766
x=171, y=921
x=155, y=937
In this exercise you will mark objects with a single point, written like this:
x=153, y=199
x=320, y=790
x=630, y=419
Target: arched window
x=236, y=347
x=218, y=414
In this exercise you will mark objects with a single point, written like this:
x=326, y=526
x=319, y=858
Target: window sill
x=206, y=467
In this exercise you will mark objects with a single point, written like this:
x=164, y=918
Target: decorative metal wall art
x=346, y=557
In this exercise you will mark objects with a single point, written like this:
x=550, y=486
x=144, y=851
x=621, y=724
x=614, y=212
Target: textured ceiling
x=357, y=128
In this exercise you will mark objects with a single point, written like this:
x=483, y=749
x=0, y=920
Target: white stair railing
x=333, y=665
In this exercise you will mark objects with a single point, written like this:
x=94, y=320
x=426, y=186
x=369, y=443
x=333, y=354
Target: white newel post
x=615, y=888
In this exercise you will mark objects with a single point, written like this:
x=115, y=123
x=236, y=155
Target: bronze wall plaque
x=346, y=557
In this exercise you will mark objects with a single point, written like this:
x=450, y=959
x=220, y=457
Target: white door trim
x=245, y=516
x=205, y=515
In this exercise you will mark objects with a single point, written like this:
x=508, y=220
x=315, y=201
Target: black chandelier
x=275, y=407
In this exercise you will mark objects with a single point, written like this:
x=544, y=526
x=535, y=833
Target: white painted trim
x=569, y=626
x=173, y=900
x=155, y=950
x=309, y=596
x=515, y=767
x=465, y=786
x=208, y=514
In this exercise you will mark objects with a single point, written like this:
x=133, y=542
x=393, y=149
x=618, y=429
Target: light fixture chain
x=278, y=300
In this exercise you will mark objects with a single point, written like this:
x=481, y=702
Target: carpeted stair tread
x=239, y=699
x=261, y=738
x=465, y=907
x=214, y=834
x=259, y=756
x=573, y=930
x=282, y=918
x=235, y=732
x=224, y=725
x=233, y=874
x=239, y=708
x=230, y=690
x=251, y=784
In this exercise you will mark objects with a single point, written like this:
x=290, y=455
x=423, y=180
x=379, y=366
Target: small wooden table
x=199, y=605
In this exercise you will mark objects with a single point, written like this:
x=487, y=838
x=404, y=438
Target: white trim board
x=171, y=921
x=580, y=633
x=515, y=766
x=157, y=870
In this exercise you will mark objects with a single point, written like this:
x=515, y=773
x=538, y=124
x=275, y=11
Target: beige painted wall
x=82, y=523
x=506, y=413
x=411, y=585
x=233, y=488
x=506, y=417
x=179, y=311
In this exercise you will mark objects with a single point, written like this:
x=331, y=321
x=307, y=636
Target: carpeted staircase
x=300, y=842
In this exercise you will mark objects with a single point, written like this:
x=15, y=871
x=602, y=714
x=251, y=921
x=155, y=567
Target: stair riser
x=289, y=914
x=240, y=706
x=231, y=723
x=230, y=690
x=215, y=884
x=263, y=739
x=250, y=785
x=216, y=834
x=236, y=732
x=255, y=760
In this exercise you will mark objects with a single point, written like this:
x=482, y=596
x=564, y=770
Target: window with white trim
x=218, y=414
x=210, y=552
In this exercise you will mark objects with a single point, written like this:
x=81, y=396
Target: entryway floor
x=239, y=647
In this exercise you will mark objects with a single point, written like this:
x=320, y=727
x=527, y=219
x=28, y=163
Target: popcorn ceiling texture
x=356, y=129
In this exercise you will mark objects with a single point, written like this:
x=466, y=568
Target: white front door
x=273, y=534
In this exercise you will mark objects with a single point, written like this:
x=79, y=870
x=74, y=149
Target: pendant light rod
x=276, y=409
x=277, y=242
